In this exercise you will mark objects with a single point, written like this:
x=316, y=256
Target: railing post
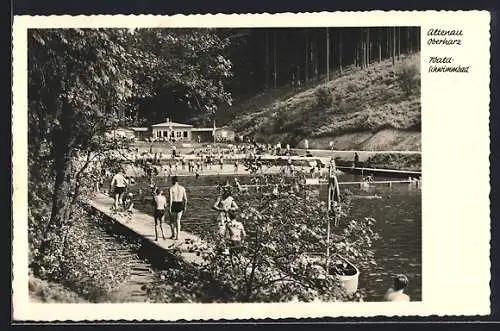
x=333, y=196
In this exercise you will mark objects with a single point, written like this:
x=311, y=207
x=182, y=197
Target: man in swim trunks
x=235, y=233
x=178, y=201
x=396, y=293
x=160, y=202
x=118, y=185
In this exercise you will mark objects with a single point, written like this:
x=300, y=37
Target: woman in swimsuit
x=223, y=205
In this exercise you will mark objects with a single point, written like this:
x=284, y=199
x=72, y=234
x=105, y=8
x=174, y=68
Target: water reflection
x=398, y=215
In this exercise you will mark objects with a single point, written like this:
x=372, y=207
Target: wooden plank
x=419, y=173
x=143, y=225
x=379, y=182
x=324, y=182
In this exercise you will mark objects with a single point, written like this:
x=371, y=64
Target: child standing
x=128, y=205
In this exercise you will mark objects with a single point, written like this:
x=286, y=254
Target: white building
x=172, y=130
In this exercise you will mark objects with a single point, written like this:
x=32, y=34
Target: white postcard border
x=455, y=142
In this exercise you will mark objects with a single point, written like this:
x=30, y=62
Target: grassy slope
x=369, y=111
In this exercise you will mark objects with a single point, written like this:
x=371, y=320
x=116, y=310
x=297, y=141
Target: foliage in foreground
x=280, y=260
x=43, y=291
x=85, y=82
x=84, y=261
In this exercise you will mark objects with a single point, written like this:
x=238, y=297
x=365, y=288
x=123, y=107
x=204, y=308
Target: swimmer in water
x=240, y=188
x=368, y=197
x=396, y=293
x=364, y=185
x=276, y=191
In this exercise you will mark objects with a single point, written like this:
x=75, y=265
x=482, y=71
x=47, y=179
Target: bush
x=88, y=264
x=408, y=75
x=81, y=259
x=40, y=290
x=324, y=98
x=395, y=161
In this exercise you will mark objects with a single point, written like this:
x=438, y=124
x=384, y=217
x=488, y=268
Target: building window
x=179, y=134
x=158, y=134
x=165, y=133
x=172, y=134
x=185, y=135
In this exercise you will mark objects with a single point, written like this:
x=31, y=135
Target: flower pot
x=349, y=282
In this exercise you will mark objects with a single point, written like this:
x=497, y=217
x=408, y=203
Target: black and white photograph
x=218, y=165
x=224, y=165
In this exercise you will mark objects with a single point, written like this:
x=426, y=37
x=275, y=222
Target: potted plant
x=339, y=267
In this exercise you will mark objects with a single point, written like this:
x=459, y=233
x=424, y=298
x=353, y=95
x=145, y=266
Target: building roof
x=140, y=129
x=172, y=124
x=203, y=129
x=123, y=129
x=224, y=129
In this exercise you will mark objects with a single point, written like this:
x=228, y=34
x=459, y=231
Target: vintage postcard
x=251, y=166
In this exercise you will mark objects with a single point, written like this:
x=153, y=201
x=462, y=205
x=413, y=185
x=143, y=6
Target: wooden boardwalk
x=143, y=225
x=388, y=171
x=388, y=182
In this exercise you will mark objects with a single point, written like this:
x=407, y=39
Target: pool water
x=398, y=215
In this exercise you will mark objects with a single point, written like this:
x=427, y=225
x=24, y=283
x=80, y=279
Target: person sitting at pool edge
x=396, y=293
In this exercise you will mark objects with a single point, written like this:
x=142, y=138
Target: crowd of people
x=171, y=209
x=170, y=206
x=214, y=160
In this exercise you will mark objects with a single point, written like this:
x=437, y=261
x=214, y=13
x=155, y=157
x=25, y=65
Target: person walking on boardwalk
x=224, y=204
x=396, y=293
x=118, y=186
x=160, y=202
x=178, y=203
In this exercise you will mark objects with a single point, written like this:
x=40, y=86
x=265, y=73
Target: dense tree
x=81, y=83
x=356, y=46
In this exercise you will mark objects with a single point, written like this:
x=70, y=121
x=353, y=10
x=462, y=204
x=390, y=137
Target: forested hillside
x=377, y=107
